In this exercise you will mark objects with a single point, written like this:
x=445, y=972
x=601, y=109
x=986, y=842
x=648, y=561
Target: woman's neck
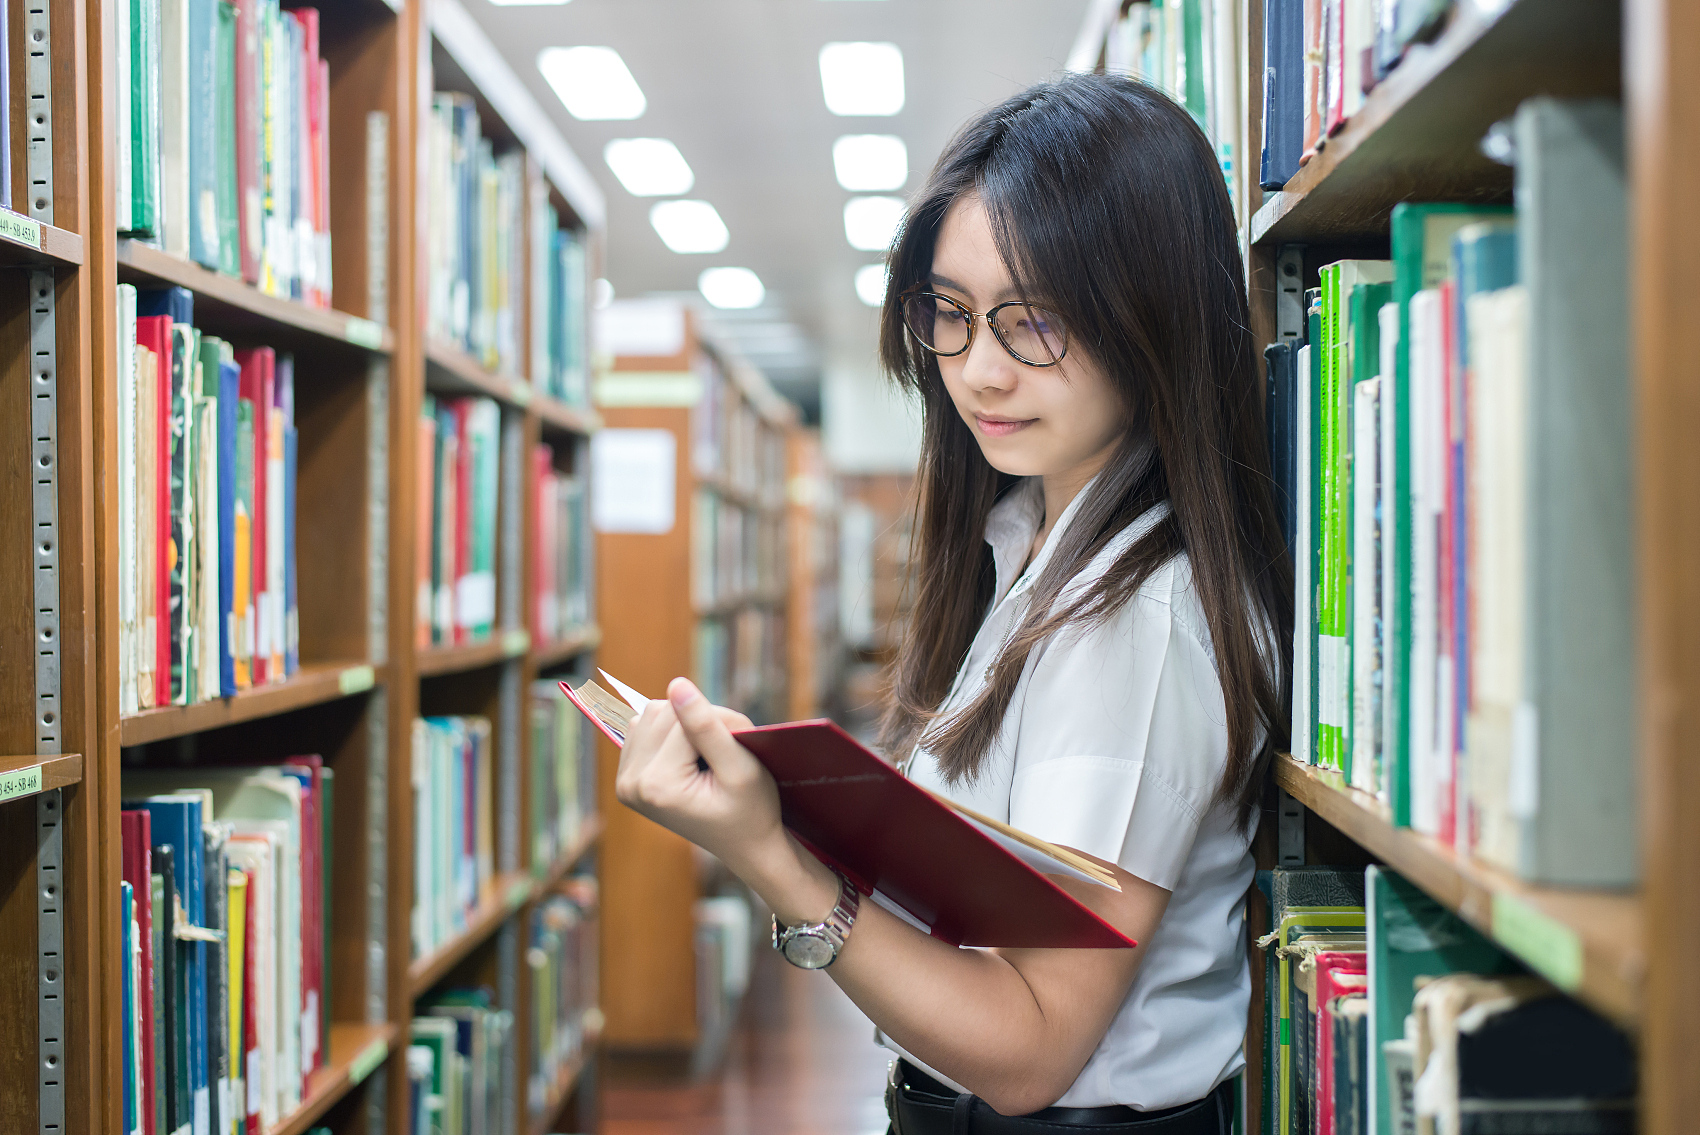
x=1059, y=491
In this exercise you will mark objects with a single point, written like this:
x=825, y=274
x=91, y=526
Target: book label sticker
x=1552, y=949
x=370, y=1057
x=19, y=228
x=518, y=893
x=515, y=642
x=355, y=680
x=521, y=393
x=20, y=782
x=364, y=333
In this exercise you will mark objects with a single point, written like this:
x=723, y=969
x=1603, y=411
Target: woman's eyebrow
x=939, y=281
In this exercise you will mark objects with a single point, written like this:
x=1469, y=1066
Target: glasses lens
x=1033, y=333
x=939, y=324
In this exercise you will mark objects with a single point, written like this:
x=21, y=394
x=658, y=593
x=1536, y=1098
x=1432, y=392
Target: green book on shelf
x=1422, y=258
x=229, y=244
x=144, y=117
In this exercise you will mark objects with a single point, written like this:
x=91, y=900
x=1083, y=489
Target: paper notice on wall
x=632, y=475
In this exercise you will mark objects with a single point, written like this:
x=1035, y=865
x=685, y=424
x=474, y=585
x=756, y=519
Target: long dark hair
x=1106, y=201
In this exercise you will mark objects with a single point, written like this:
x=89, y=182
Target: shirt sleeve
x=1123, y=736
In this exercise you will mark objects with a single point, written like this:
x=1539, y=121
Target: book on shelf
x=233, y=938
x=1463, y=551
x=453, y=775
x=562, y=956
x=563, y=548
x=474, y=201
x=459, y=1046
x=904, y=846
x=223, y=124
x=206, y=508
x=563, y=777
x=460, y=499
x=559, y=302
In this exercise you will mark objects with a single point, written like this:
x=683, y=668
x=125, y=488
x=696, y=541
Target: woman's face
x=1056, y=422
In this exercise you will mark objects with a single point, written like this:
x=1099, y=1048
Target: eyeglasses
x=1031, y=334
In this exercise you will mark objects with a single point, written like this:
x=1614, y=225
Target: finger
x=733, y=720
x=706, y=729
x=645, y=738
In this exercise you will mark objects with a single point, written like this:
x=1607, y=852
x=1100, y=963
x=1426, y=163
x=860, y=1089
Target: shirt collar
x=1012, y=524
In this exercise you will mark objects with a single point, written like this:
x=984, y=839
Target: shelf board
x=28, y=776
x=508, y=892
x=743, y=498
x=583, y=639
x=738, y=602
x=223, y=302
x=28, y=243
x=565, y=1081
x=356, y=1051
x=314, y=683
x=1416, y=136
x=587, y=840
x=1590, y=943
x=499, y=647
x=560, y=417
x=451, y=370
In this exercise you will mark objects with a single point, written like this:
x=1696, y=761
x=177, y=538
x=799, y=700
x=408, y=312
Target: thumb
x=704, y=727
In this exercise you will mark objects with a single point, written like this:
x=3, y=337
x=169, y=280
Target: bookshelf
x=1629, y=954
x=363, y=364
x=699, y=592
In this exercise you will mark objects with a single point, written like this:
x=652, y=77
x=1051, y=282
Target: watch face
x=809, y=951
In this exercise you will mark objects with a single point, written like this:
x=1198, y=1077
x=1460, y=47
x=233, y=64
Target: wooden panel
x=17, y=596
x=1663, y=96
x=648, y=873
x=333, y=546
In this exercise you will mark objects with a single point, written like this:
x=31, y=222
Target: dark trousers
x=920, y=1105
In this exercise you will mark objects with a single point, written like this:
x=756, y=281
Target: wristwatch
x=816, y=945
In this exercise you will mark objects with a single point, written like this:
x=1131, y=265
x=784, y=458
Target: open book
x=961, y=876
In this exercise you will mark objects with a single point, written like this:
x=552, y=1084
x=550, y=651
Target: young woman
x=1091, y=655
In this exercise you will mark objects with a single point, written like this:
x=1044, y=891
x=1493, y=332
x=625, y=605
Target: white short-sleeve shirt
x=1114, y=742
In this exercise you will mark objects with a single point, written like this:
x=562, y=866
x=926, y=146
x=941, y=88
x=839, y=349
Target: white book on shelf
x=1428, y=500
x=1366, y=591
x=125, y=36
x=173, y=234
x=1391, y=549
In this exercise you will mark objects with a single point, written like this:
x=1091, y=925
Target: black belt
x=920, y=1105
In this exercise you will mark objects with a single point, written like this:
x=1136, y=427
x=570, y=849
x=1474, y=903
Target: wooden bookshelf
x=508, y=892
x=25, y=242
x=314, y=684
x=548, y=655
x=29, y=775
x=356, y=1051
x=439, y=660
x=559, y=1092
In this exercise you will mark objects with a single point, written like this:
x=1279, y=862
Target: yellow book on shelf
x=236, y=938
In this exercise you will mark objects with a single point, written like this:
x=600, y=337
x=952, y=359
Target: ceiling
x=735, y=84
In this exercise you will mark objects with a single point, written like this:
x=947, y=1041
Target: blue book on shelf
x=176, y=820
x=229, y=393
x=1283, y=91
x=178, y=303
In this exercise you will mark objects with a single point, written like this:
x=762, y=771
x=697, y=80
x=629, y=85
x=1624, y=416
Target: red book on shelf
x=154, y=333
x=426, y=482
x=307, y=155
x=1338, y=972
x=964, y=878
x=136, y=837
x=1313, y=100
x=312, y=912
x=248, y=158
x=250, y=1018
x=258, y=371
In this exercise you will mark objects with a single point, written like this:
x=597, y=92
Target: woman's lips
x=994, y=427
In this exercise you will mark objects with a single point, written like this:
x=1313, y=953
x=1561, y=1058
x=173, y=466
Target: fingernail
x=682, y=692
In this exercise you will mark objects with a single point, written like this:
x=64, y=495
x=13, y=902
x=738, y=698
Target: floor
x=802, y=1062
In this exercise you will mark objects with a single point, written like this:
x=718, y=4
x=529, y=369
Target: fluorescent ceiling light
x=649, y=167
x=731, y=287
x=591, y=82
x=689, y=226
x=520, y=3
x=870, y=223
x=862, y=78
x=870, y=284
x=865, y=162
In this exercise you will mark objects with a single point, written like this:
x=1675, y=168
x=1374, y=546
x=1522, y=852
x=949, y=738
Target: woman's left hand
x=730, y=808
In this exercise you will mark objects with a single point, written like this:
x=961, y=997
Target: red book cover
x=154, y=333
x=463, y=502
x=136, y=835
x=248, y=155
x=1313, y=96
x=951, y=876
x=307, y=158
x=258, y=365
x=1337, y=972
x=250, y=1018
x=426, y=486
x=312, y=911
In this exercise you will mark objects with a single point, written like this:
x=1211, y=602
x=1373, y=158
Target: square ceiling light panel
x=649, y=167
x=868, y=163
x=862, y=78
x=870, y=223
x=689, y=226
x=593, y=83
x=524, y=3
x=871, y=284
x=732, y=288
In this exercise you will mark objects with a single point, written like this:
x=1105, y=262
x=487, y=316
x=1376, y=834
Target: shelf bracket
x=50, y=963
x=38, y=118
x=1289, y=830
x=44, y=475
x=1290, y=293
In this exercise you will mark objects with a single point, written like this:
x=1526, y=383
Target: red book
x=312, y=911
x=250, y=218
x=250, y=1017
x=963, y=878
x=307, y=158
x=463, y=504
x=426, y=486
x=1313, y=90
x=258, y=366
x=154, y=333
x=1338, y=972
x=136, y=835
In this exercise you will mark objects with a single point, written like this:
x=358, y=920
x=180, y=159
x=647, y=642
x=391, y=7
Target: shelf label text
x=355, y=680
x=1551, y=948
x=364, y=333
x=20, y=782
x=19, y=228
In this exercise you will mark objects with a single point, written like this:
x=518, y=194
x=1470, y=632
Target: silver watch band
x=816, y=945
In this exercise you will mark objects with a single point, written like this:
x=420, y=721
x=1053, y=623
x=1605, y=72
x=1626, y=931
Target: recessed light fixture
x=592, y=82
x=523, y=3
x=870, y=223
x=731, y=287
x=870, y=284
x=689, y=226
x=862, y=78
x=649, y=167
x=870, y=162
